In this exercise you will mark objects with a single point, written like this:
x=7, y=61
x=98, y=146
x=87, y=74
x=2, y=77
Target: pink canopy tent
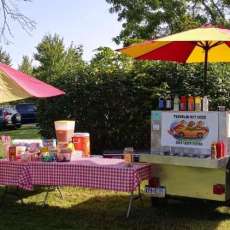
x=16, y=85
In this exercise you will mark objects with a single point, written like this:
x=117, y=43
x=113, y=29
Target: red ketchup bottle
x=183, y=103
x=218, y=150
x=222, y=149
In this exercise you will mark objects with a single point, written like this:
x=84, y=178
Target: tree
x=106, y=60
x=55, y=60
x=59, y=66
x=26, y=65
x=9, y=13
x=4, y=57
x=153, y=18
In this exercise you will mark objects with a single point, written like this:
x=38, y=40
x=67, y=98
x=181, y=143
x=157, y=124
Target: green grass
x=98, y=209
x=25, y=132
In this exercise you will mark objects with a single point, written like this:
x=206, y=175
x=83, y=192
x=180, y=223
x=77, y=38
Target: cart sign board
x=189, y=129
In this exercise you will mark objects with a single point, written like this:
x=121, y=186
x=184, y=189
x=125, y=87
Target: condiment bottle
x=161, y=103
x=218, y=149
x=198, y=103
x=205, y=103
x=128, y=156
x=176, y=103
x=183, y=103
x=191, y=105
x=213, y=151
x=12, y=153
x=222, y=149
x=168, y=103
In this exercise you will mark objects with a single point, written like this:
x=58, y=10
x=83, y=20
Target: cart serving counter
x=181, y=145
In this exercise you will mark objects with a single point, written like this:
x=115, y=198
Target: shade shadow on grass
x=92, y=209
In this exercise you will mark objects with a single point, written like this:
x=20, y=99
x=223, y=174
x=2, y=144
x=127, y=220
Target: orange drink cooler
x=81, y=143
x=64, y=130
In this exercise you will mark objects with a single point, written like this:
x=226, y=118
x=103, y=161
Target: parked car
x=28, y=112
x=9, y=117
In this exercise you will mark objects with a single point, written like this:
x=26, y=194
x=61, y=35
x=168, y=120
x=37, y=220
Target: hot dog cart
x=181, y=154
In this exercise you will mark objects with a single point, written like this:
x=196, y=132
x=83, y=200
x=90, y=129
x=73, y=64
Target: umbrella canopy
x=204, y=44
x=16, y=85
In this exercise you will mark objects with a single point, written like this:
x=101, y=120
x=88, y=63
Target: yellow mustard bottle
x=198, y=103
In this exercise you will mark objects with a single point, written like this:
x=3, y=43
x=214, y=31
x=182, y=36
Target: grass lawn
x=26, y=131
x=98, y=209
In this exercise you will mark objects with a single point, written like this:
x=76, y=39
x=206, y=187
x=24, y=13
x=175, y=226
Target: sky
x=83, y=22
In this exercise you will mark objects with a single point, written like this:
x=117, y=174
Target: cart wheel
x=158, y=201
x=227, y=203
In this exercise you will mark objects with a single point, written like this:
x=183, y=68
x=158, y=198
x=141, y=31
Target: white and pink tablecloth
x=94, y=172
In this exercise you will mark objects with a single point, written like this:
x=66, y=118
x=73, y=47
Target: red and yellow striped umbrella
x=204, y=44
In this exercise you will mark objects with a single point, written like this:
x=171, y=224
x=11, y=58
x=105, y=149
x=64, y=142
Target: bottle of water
x=176, y=103
x=168, y=103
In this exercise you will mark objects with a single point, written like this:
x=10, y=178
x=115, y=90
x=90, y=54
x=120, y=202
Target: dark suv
x=28, y=112
x=9, y=117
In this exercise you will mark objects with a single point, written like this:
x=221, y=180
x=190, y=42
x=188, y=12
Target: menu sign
x=193, y=130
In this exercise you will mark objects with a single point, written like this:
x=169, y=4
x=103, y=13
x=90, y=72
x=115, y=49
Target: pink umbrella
x=16, y=85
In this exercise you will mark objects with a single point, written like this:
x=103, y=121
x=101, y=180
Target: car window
x=10, y=110
x=26, y=108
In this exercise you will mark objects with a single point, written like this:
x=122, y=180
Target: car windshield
x=26, y=108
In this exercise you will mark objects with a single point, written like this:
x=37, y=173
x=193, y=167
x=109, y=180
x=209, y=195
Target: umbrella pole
x=205, y=70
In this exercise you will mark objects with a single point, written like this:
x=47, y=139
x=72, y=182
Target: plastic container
x=197, y=103
x=205, y=103
x=81, y=143
x=64, y=130
x=213, y=151
x=20, y=149
x=176, y=103
x=64, y=155
x=183, y=103
x=191, y=104
x=5, y=142
x=12, y=153
x=128, y=155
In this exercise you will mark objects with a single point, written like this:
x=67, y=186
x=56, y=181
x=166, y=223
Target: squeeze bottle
x=191, y=105
x=197, y=103
x=176, y=103
x=183, y=103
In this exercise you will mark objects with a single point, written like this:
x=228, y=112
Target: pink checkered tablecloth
x=94, y=172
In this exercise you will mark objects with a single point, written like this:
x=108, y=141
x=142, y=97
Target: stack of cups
x=64, y=133
x=64, y=130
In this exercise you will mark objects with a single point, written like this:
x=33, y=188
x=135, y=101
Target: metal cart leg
x=18, y=196
x=139, y=193
x=134, y=197
x=60, y=193
x=48, y=191
x=130, y=205
x=46, y=197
